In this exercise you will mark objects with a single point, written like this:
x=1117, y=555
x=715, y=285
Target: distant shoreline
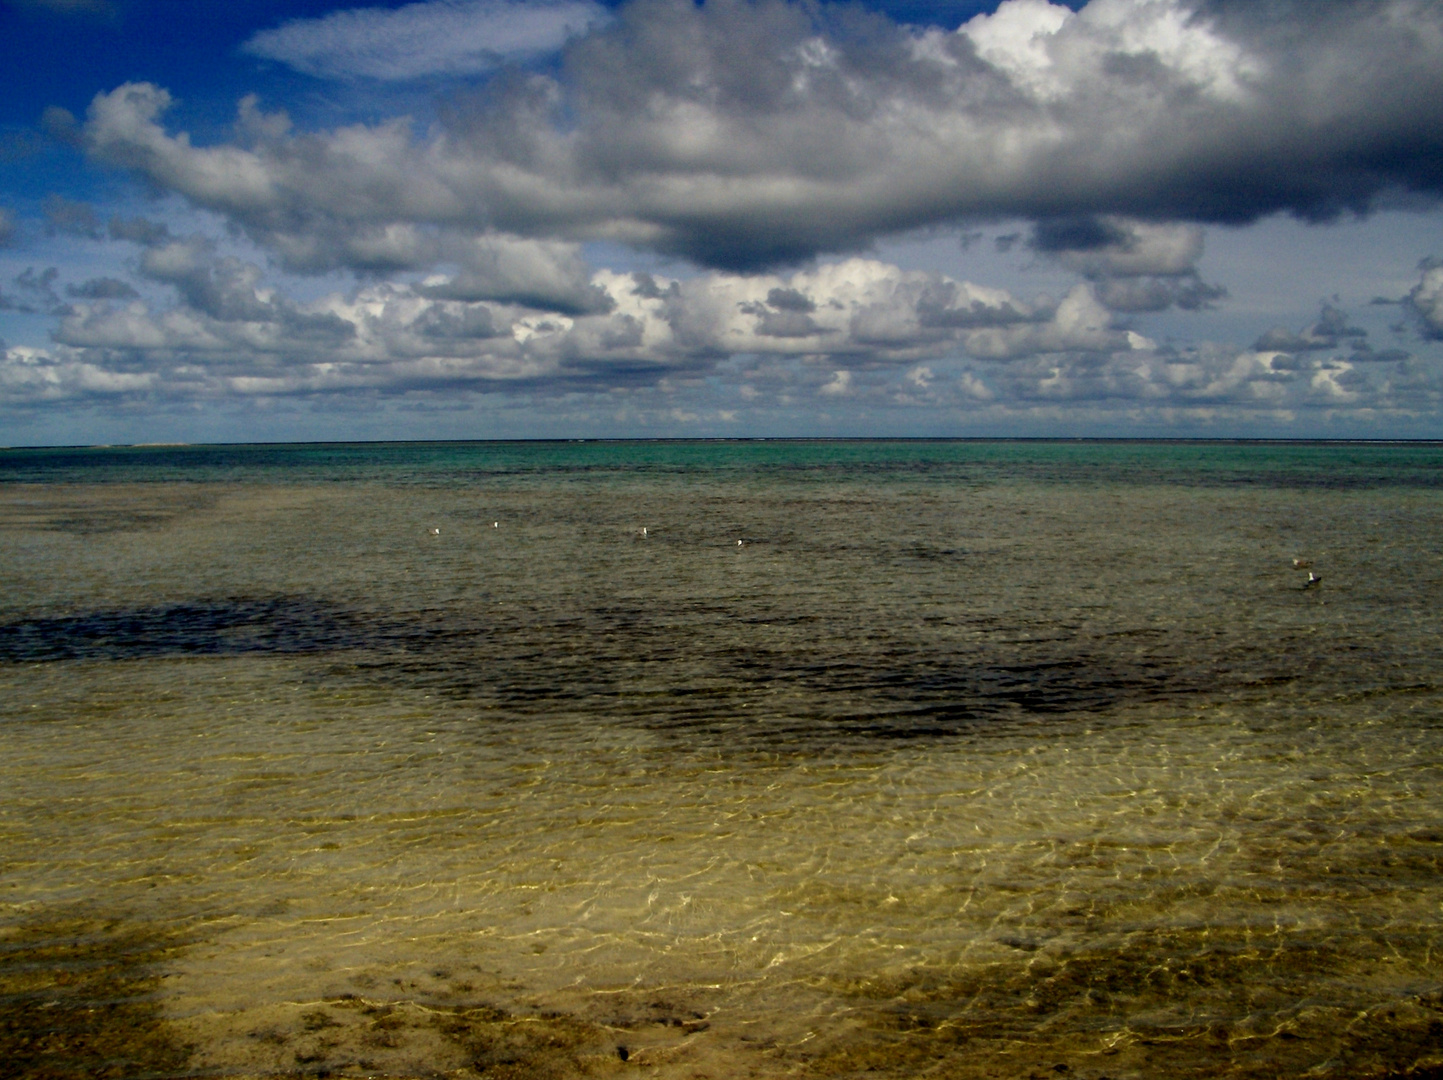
x=810, y=439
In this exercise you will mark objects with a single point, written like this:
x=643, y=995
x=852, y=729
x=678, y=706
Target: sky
x=308, y=220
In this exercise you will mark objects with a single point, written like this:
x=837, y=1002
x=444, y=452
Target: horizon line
x=1118, y=439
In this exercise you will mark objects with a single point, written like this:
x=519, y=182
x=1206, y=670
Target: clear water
x=971, y=759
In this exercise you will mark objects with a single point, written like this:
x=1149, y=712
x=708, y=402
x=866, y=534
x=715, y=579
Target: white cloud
x=1053, y=52
x=973, y=387
x=1017, y=39
x=509, y=269
x=438, y=37
x=37, y=376
x=230, y=336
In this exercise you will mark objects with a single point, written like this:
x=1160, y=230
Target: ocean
x=722, y=759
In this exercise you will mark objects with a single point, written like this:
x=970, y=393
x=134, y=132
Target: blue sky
x=278, y=219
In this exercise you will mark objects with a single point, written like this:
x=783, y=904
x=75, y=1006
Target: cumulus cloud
x=440, y=37
x=1138, y=266
x=1329, y=332
x=1426, y=299
x=512, y=270
x=748, y=133
x=1102, y=247
x=40, y=376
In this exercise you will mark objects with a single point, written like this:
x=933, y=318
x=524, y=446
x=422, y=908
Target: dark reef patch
x=78, y=1001
x=698, y=668
x=98, y=509
x=227, y=627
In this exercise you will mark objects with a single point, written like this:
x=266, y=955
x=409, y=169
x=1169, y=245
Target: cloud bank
x=228, y=332
x=746, y=133
x=857, y=330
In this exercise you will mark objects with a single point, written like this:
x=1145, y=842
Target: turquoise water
x=1249, y=462
x=724, y=758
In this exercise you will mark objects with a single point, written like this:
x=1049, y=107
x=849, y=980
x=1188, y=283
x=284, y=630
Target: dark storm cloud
x=1079, y=235
x=740, y=134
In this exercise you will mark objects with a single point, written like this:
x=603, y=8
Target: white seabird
x=1313, y=579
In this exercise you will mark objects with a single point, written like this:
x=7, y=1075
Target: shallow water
x=971, y=759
